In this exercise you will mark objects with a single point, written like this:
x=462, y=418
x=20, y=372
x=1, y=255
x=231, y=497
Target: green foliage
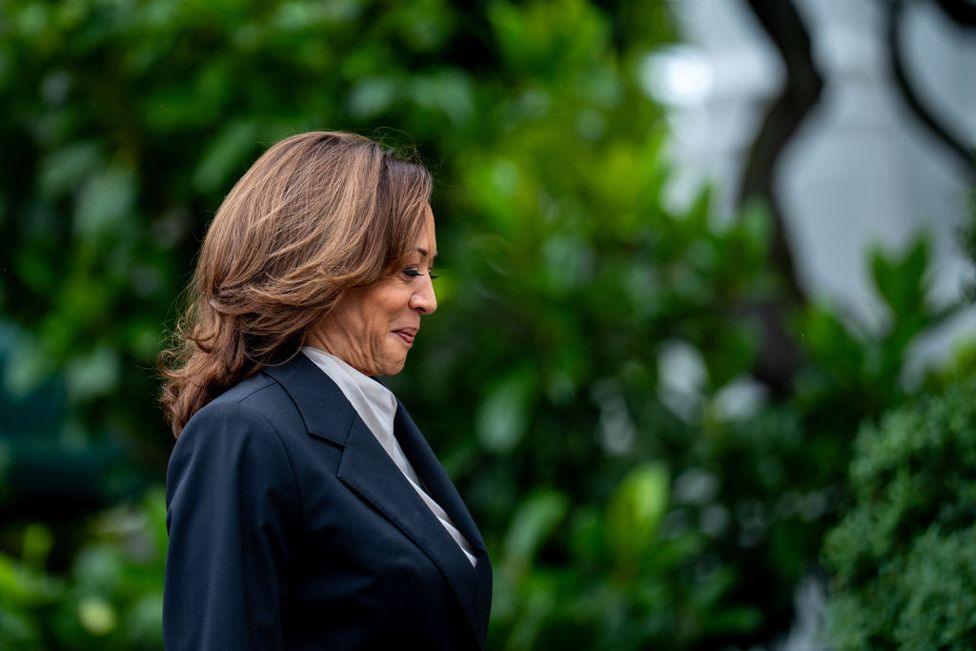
x=622, y=583
x=849, y=359
x=634, y=514
x=904, y=557
x=110, y=598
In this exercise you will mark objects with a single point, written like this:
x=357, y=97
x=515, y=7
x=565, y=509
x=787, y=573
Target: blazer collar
x=327, y=413
x=367, y=469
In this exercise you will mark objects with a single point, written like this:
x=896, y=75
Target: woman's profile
x=305, y=509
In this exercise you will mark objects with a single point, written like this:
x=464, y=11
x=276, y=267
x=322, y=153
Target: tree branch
x=960, y=12
x=801, y=91
x=895, y=18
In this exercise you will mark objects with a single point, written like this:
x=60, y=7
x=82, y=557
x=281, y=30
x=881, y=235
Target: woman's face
x=373, y=328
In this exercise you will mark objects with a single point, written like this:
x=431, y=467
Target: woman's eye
x=414, y=272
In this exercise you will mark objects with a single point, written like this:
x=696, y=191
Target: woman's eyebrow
x=424, y=253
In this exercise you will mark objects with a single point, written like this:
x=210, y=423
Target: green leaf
x=66, y=167
x=900, y=280
x=635, y=511
x=38, y=542
x=105, y=202
x=94, y=374
x=97, y=616
x=448, y=92
x=25, y=587
x=372, y=96
x=225, y=154
x=532, y=523
x=504, y=414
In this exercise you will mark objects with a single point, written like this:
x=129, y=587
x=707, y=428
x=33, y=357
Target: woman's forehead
x=425, y=253
x=427, y=241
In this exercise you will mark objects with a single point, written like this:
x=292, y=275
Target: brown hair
x=317, y=214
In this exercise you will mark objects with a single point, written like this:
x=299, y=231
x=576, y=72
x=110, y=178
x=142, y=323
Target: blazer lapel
x=440, y=487
x=367, y=469
x=429, y=469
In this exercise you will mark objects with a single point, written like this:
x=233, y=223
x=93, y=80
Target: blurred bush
x=111, y=596
x=589, y=379
x=904, y=557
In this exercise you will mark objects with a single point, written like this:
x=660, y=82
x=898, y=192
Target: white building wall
x=861, y=170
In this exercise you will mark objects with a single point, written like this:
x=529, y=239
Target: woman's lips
x=405, y=336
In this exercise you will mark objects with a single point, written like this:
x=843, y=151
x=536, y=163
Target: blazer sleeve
x=231, y=508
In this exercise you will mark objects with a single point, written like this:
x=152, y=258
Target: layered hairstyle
x=316, y=215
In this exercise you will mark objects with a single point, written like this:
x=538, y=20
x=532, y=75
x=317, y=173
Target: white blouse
x=377, y=406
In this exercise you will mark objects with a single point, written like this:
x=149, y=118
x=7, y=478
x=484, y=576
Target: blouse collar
x=375, y=403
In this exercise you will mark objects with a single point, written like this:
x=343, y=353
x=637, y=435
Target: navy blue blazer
x=291, y=528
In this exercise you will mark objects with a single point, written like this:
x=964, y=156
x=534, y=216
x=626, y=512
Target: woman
x=305, y=509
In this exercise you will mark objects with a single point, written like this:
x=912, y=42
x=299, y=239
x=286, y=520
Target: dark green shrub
x=904, y=557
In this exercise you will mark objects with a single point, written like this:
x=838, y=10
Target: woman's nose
x=424, y=299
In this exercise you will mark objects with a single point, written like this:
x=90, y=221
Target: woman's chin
x=393, y=366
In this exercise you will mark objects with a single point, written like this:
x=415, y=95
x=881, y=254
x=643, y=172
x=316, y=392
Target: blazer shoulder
x=244, y=389
x=258, y=403
x=258, y=394
x=240, y=426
